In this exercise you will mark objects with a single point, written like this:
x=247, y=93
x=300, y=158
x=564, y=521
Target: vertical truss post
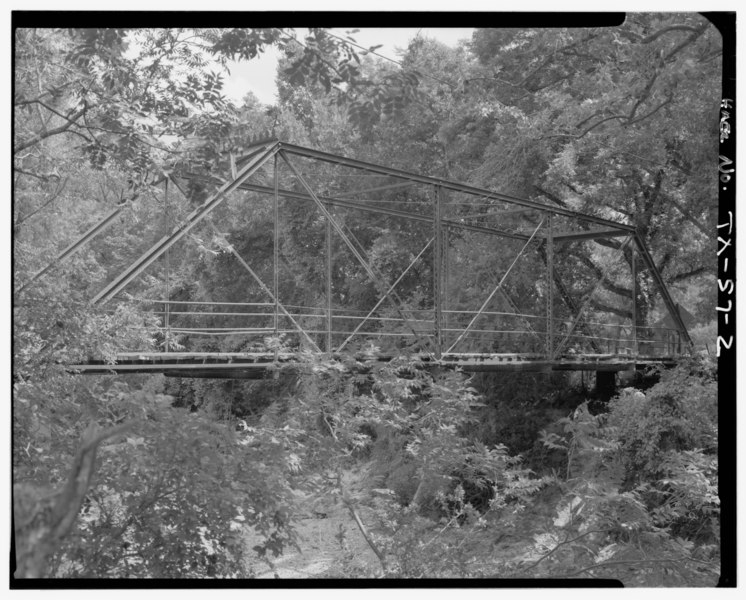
x=550, y=286
x=228, y=246
x=633, y=267
x=446, y=280
x=374, y=277
x=167, y=257
x=192, y=220
x=673, y=310
x=329, y=286
x=276, y=249
x=579, y=316
x=381, y=300
x=494, y=291
x=437, y=269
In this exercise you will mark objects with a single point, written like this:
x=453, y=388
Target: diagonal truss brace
x=368, y=269
x=278, y=306
x=565, y=295
x=75, y=246
x=518, y=314
x=497, y=287
x=561, y=346
x=386, y=295
x=670, y=304
x=228, y=246
x=192, y=219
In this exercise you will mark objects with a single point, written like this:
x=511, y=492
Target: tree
x=576, y=108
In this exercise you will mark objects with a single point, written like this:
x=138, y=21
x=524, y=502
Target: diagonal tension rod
x=368, y=269
x=181, y=230
x=561, y=346
x=386, y=295
x=497, y=287
x=262, y=285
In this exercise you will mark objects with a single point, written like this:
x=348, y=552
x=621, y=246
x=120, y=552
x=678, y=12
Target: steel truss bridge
x=456, y=320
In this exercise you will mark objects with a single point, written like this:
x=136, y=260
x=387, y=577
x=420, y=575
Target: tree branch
x=689, y=274
x=690, y=40
x=55, y=195
x=688, y=215
x=360, y=525
x=556, y=199
x=71, y=120
x=625, y=314
x=39, y=535
x=654, y=36
x=613, y=563
x=643, y=96
x=560, y=544
x=651, y=113
x=589, y=129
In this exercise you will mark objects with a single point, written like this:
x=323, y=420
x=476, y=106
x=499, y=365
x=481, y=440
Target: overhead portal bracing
x=468, y=272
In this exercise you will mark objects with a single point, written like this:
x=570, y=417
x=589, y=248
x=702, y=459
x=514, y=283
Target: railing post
x=167, y=306
x=329, y=286
x=634, y=301
x=550, y=286
x=437, y=270
x=446, y=281
x=276, y=251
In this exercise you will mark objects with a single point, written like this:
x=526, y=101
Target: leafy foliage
x=617, y=123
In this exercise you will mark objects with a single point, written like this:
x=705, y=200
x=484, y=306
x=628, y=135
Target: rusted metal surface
x=385, y=295
x=670, y=304
x=278, y=307
x=438, y=268
x=374, y=277
x=550, y=287
x=449, y=185
x=492, y=294
x=586, y=302
x=391, y=212
x=319, y=326
x=191, y=220
x=102, y=225
x=234, y=364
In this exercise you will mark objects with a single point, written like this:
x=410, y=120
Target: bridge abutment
x=605, y=384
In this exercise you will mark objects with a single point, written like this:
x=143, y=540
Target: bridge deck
x=247, y=365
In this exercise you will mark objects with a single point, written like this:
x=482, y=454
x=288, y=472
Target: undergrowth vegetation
x=441, y=473
x=630, y=493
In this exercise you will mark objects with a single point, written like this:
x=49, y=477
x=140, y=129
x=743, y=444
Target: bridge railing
x=308, y=327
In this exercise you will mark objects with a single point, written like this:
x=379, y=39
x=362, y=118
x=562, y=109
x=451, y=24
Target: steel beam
x=516, y=313
x=449, y=185
x=566, y=297
x=375, y=278
x=446, y=283
x=191, y=220
x=380, y=188
x=386, y=295
x=167, y=306
x=74, y=247
x=499, y=285
x=550, y=287
x=593, y=234
x=633, y=268
x=586, y=301
x=264, y=287
x=255, y=146
x=274, y=296
x=276, y=245
x=670, y=304
x=333, y=201
x=437, y=268
x=329, y=286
